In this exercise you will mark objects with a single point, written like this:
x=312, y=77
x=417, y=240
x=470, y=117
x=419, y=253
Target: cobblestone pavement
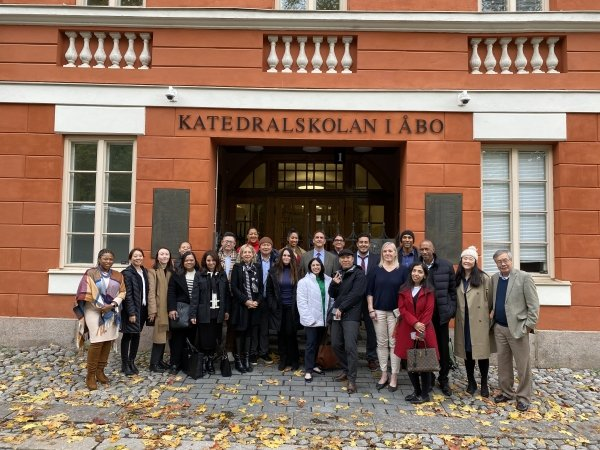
x=44, y=405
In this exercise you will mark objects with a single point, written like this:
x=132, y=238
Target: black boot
x=237, y=362
x=485, y=390
x=470, y=369
x=134, y=369
x=246, y=362
x=425, y=387
x=210, y=366
x=126, y=368
x=484, y=366
x=156, y=358
x=125, y=344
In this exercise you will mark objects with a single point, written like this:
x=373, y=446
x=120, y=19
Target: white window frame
x=311, y=5
x=112, y=3
x=511, y=6
x=514, y=215
x=102, y=146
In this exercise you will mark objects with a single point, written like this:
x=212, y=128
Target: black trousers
x=209, y=336
x=287, y=337
x=177, y=345
x=443, y=340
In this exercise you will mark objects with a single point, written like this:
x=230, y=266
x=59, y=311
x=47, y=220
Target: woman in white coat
x=313, y=303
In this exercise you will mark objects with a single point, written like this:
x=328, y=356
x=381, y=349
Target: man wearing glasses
x=515, y=315
x=227, y=253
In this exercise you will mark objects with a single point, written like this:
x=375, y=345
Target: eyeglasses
x=468, y=258
x=338, y=240
x=228, y=242
x=502, y=261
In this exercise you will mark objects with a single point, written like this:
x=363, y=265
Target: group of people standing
x=406, y=297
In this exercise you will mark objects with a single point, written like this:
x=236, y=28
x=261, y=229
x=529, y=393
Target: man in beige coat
x=515, y=314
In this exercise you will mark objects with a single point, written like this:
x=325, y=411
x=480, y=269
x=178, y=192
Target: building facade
x=142, y=123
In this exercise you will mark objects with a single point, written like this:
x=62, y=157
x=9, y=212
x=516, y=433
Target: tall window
x=99, y=187
x=515, y=206
x=300, y=5
x=513, y=5
x=112, y=2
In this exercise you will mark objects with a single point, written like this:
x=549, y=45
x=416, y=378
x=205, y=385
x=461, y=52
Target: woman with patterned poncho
x=99, y=296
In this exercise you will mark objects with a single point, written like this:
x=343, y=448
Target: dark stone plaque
x=170, y=219
x=443, y=224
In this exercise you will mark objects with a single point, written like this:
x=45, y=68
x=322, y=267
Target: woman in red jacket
x=415, y=302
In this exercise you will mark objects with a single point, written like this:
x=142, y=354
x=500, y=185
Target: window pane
x=377, y=214
x=81, y=217
x=119, y=245
x=84, y=156
x=533, y=228
x=532, y=166
x=496, y=228
x=293, y=4
x=118, y=218
x=120, y=157
x=532, y=197
x=361, y=177
x=328, y=4
x=81, y=249
x=119, y=187
x=97, y=2
x=531, y=253
x=493, y=5
x=260, y=176
x=83, y=187
x=495, y=166
x=132, y=3
x=529, y=5
x=496, y=197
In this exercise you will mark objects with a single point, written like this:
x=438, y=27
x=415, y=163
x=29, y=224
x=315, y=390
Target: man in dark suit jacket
x=329, y=261
x=515, y=314
x=367, y=261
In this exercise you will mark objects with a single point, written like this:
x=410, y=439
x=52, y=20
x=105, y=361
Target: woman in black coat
x=246, y=288
x=210, y=305
x=180, y=291
x=281, y=295
x=135, y=310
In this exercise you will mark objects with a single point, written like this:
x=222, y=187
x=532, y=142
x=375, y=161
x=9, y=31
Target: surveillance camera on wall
x=463, y=98
x=171, y=94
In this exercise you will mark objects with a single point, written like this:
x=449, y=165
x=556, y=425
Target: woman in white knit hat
x=473, y=340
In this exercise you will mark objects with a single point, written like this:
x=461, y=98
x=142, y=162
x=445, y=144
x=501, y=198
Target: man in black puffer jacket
x=348, y=288
x=441, y=280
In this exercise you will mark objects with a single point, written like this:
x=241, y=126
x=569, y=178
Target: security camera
x=463, y=98
x=171, y=94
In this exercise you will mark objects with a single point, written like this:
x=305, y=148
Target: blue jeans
x=314, y=335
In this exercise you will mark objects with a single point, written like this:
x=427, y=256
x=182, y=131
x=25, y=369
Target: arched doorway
x=337, y=190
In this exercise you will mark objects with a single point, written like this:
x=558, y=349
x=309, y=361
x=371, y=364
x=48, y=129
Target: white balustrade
x=513, y=47
x=295, y=52
x=87, y=40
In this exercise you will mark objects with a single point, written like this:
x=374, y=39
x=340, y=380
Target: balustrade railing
x=87, y=49
x=510, y=55
x=304, y=54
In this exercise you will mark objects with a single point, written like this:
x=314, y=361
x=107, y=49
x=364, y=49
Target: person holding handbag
x=135, y=310
x=209, y=306
x=416, y=302
x=312, y=300
x=178, y=300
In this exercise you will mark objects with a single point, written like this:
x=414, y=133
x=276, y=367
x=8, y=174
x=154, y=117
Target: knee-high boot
x=125, y=343
x=92, y=365
x=102, y=362
x=237, y=359
x=484, y=366
x=470, y=369
x=414, y=379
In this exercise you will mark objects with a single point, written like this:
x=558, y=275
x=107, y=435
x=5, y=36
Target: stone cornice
x=347, y=21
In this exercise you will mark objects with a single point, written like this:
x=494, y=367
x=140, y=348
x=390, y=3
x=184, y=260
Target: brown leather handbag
x=326, y=358
x=422, y=359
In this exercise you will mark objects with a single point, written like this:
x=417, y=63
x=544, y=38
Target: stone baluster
x=317, y=59
x=505, y=60
x=287, y=59
x=71, y=53
x=475, y=61
x=115, y=54
x=130, y=55
x=302, y=60
x=272, y=59
x=552, y=60
x=347, y=58
x=536, y=58
x=145, y=56
x=520, y=60
x=85, y=55
x=100, y=55
x=490, y=59
x=331, y=58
